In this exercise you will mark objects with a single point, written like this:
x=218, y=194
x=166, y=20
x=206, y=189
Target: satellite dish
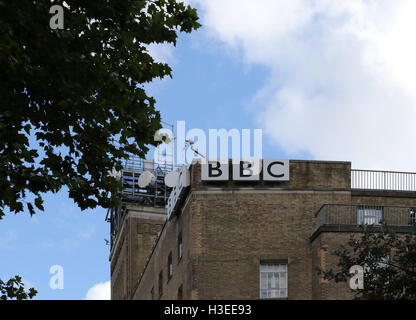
x=146, y=179
x=171, y=179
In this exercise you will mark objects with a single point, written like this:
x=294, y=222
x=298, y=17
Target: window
x=160, y=283
x=413, y=216
x=170, y=266
x=273, y=280
x=180, y=247
x=180, y=293
x=370, y=215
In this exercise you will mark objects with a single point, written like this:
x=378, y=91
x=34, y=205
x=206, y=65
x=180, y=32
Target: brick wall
x=132, y=248
x=228, y=228
x=182, y=268
x=322, y=251
x=326, y=243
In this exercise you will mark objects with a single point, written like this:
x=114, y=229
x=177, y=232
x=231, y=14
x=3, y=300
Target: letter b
x=214, y=170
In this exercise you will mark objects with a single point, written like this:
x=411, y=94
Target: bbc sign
x=246, y=170
x=218, y=170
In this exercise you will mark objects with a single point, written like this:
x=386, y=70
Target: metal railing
x=136, y=164
x=155, y=194
x=115, y=216
x=340, y=214
x=383, y=180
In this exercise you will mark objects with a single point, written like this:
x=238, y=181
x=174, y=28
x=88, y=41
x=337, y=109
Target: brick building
x=253, y=239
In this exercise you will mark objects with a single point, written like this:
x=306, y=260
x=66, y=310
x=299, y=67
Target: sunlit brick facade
x=253, y=239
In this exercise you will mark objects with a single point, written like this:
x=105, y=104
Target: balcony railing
x=383, y=180
x=350, y=215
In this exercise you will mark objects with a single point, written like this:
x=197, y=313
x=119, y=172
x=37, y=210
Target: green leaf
x=81, y=91
x=39, y=203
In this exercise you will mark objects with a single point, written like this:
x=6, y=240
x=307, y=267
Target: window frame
x=277, y=264
x=170, y=266
x=367, y=213
x=160, y=283
x=412, y=216
x=179, y=246
x=180, y=290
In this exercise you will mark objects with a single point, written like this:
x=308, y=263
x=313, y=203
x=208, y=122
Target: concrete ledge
x=322, y=161
x=357, y=228
x=383, y=193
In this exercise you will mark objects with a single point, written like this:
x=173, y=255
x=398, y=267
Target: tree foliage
x=388, y=260
x=15, y=289
x=73, y=103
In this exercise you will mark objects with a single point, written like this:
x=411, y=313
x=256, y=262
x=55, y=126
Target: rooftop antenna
x=169, y=157
x=191, y=144
x=146, y=179
x=171, y=179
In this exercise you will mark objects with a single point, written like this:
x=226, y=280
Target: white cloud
x=28, y=284
x=162, y=52
x=8, y=240
x=87, y=233
x=101, y=291
x=342, y=74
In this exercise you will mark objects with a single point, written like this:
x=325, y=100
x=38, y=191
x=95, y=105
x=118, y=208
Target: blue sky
x=324, y=79
x=209, y=89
